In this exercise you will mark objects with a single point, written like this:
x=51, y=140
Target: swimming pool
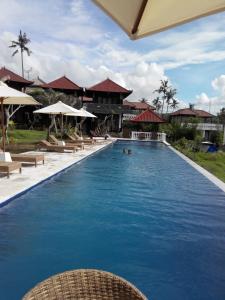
x=148, y=217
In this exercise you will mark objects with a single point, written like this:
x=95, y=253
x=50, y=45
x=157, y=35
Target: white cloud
x=215, y=103
x=219, y=84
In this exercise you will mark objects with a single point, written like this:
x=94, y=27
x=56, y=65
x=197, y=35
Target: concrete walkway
x=31, y=176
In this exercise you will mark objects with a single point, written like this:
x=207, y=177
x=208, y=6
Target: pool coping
x=219, y=183
x=27, y=189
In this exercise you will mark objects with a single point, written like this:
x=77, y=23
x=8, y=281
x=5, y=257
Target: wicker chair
x=84, y=285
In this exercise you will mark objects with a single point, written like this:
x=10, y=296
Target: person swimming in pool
x=127, y=151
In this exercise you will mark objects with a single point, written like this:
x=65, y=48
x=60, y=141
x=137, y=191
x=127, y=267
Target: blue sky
x=75, y=38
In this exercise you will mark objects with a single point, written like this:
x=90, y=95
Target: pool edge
x=219, y=183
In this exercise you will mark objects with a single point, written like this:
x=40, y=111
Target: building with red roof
x=14, y=80
x=186, y=114
x=65, y=85
x=148, y=116
x=205, y=120
x=108, y=86
x=107, y=103
x=137, y=105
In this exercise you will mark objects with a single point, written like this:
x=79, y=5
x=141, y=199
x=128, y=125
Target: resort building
x=64, y=85
x=14, y=80
x=205, y=120
x=134, y=108
x=143, y=126
x=19, y=83
x=105, y=100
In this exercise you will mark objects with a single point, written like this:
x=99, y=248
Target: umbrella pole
x=61, y=126
x=2, y=124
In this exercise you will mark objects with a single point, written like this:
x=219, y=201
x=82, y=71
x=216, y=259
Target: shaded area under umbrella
x=83, y=114
x=58, y=108
x=10, y=96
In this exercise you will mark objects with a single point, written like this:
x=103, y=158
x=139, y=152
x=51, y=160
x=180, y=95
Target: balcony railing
x=127, y=117
x=207, y=126
x=148, y=136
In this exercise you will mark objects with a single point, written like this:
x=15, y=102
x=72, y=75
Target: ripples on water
x=148, y=217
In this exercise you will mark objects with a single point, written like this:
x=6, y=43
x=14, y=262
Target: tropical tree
x=166, y=95
x=170, y=97
x=21, y=45
x=157, y=103
x=174, y=104
x=162, y=90
x=221, y=116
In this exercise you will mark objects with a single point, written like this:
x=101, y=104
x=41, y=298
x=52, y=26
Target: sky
x=75, y=38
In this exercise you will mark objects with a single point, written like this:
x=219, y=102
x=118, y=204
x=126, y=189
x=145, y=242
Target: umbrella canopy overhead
x=57, y=109
x=82, y=113
x=12, y=96
x=139, y=18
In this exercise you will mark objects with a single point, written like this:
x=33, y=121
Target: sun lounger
x=28, y=158
x=76, y=140
x=55, y=148
x=7, y=167
x=79, y=144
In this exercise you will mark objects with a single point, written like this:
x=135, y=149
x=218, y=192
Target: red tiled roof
x=62, y=83
x=138, y=105
x=202, y=113
x=148, y=116
x=192, y=112
x=13, y=76
x=184, y=112
x=109, y=86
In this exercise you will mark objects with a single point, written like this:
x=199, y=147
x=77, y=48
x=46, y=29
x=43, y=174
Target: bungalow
x=134, y=108
x=204, y=120
x=21, y=84
x=14, y=80
x=64, y=85
x=105, y=100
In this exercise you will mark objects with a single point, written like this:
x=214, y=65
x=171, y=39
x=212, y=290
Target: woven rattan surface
x=84, y=285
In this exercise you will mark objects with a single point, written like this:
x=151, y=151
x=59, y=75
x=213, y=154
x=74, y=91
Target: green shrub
x=216, y=137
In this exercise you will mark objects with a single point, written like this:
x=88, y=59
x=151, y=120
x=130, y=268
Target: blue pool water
x=148, y=217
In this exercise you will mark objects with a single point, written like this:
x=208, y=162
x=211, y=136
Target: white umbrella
x=82, y=113
x=10, y=96
x=139, y=18
x=58, y=108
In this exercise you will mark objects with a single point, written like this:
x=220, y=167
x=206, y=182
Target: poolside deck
x=54, y=163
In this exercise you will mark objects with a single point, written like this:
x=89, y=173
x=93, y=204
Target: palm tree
x=157, y=103
x=163, y=89
x=170, y=97
x=21, y=45
x=174, y=104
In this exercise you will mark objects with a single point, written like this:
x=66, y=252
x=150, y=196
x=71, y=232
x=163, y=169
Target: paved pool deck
x=55, y=163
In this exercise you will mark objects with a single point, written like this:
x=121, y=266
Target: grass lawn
x=212, y=162
x=19, y=136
